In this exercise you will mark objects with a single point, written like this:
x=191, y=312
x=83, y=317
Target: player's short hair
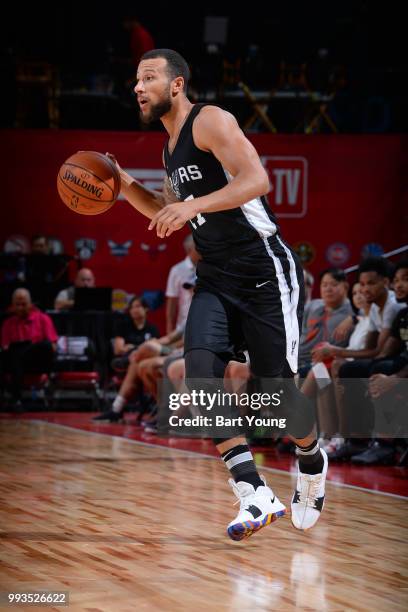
x=176, y=64
x=375, y=264
x=337, y=273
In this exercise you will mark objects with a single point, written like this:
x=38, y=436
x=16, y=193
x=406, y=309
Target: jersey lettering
x=191, y=173
x=194, y=173
x=183, y=174
x=197, y=173
x=199, y=219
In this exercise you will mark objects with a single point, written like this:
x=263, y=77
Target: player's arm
x=144, y=200
x=217, y=131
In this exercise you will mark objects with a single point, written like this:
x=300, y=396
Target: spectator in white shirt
x=358, y=414
x=66, y=298
x=374, y=283
x=178, y=300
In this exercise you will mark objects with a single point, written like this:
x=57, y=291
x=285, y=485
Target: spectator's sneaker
x=376, y=454
x=109, y=417
x=323, y=442
x=346, y=451
x=333, y=444
x=151, y=427
x=258, y=508
x=151, y=416
x=308, y=499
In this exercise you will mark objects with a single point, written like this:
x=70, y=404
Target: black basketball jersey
x=194, y=173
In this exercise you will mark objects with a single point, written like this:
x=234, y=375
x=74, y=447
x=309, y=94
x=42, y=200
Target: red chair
x=75, y=376
x=76, y=385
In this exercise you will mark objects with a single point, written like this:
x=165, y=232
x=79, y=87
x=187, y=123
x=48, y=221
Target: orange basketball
x=88, y=183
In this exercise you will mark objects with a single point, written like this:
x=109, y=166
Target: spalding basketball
x=88, y=183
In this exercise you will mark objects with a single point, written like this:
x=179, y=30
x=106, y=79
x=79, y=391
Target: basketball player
x=250, y=283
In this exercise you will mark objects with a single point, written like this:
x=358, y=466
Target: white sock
x=118, y=403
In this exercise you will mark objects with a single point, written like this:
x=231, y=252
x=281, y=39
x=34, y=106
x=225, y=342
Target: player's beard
x=157, y=110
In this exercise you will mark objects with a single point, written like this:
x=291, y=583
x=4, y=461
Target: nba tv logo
x=288, y=177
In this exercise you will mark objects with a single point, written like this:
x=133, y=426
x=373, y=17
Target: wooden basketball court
x=127, y=526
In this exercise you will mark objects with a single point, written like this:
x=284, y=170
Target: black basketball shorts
x=254, y=302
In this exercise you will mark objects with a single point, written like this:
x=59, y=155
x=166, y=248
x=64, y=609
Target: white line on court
x=204, y=456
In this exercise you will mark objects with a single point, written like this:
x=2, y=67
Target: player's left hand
x=171, y=218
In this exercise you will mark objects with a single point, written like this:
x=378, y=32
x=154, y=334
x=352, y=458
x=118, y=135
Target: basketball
x=88, y=183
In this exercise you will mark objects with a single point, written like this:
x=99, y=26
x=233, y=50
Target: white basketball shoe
x=308, y=499
x=258, y=508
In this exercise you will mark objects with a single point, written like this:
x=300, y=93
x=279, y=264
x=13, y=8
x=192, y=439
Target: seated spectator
x=395, y=369
x=394, y=355
x=146, y=367
x=386, y=385
x=66, y=298
x=177, y=299
x=400, y=281
x=132, y=331
x=388, y=390
x=40, y=245
x=374, y=283
x=373, y=278
x=322, y=316
x=320, y=320
x=330, y=418
x=144, y=361
x=28, y=342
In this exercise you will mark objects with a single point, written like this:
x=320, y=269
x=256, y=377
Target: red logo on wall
x=288, y=177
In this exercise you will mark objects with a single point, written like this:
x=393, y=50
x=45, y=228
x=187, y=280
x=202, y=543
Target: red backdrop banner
x=333, y=196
